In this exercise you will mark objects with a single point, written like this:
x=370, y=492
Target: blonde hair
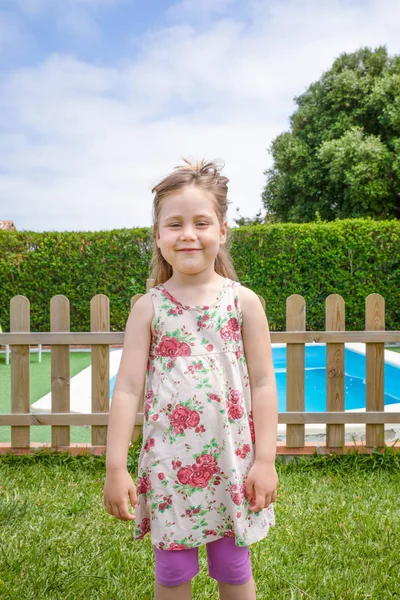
x=206, y=176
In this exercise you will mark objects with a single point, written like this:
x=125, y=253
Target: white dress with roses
x=198, y=433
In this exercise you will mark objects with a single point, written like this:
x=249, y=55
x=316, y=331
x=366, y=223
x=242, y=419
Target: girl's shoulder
x=249, y=301
x=246, y=294
x=143, y=307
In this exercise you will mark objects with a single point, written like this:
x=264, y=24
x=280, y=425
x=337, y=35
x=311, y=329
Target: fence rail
x=60, y=339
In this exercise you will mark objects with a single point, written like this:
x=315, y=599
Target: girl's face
x=189, y=233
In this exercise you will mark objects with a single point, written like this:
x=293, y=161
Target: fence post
x=60, y=370
x=20, y=383
x=334, y=321
x=375, y=321
x=295, y=321
x=100, y=321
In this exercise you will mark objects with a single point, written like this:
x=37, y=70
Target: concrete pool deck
x=81, y=401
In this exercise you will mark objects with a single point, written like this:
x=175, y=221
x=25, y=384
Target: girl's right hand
x=117, y=487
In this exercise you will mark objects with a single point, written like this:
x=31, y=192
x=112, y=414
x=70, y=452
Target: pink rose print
x=237, y=499
x=233, y=324
x=225, y=333
x=149, y=400
x=161, y=476
x=144, y=527
x=182, y=418
x=235, y=411
x=243, y=452
x=237, y=492
x=194, y=419
x=154, y=417
x=251, y=425
x=234, y=397
x=209, y=348
x=215, y=397
x=149, y=444
x=165, y=504
x=184, y=349
x=174, y=546
x=200, y=473
x=144, y=485
x=228, y=534
x=202, y=321
x=245, y=449
x=201, y=476
x=229, y=307
x=169, y=346
x=207, y=459
x=184, y=475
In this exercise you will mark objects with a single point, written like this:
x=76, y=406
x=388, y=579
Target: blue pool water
x=315, y=379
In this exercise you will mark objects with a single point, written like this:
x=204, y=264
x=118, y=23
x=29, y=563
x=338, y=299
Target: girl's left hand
x=261, y=485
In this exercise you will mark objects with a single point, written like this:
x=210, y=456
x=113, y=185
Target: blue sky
x=99, y=99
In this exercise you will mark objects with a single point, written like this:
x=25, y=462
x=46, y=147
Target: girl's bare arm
x=258, y=352
x=129, y=384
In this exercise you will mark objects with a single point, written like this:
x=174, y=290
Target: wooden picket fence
x=60, y=339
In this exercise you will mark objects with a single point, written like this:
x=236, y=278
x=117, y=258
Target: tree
x=341, y=157
x=259, y=219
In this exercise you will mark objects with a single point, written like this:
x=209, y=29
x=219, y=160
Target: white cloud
x=85, y=143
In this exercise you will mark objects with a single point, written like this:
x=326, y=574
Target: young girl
x=207, y=465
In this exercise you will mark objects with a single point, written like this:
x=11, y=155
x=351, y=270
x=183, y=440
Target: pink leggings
x=226, y=563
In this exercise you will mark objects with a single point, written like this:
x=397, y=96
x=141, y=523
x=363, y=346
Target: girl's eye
x=174, y=225
x=202, y=224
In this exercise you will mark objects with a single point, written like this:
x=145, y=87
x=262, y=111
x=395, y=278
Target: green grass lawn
x=336, y=535
x=40, y=385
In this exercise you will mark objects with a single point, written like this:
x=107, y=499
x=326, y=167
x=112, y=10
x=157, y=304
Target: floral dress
x=198, y=433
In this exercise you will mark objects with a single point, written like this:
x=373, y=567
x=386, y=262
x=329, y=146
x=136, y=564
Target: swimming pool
x=315, y=378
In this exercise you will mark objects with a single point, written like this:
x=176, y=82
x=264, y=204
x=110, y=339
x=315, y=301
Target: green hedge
x=352, y=257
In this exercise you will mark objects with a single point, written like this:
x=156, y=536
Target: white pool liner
x=80, y=389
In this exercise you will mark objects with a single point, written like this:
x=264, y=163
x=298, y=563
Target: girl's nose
x=188, y=233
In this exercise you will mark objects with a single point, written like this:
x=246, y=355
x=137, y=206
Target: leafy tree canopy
x=341, y=157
